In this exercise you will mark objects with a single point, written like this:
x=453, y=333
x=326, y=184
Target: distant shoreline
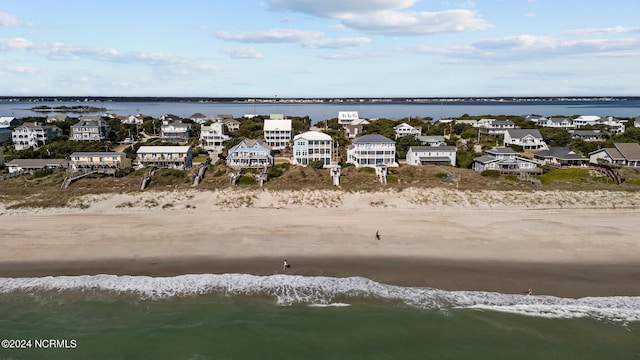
x=205, y=99
x=68, y=109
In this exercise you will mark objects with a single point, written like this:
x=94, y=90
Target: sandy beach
x=571, y=244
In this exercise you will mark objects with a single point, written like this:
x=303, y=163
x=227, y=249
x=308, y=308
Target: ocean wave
x=294, y=289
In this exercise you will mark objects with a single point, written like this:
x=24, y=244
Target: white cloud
x=519, y=41
x=270, y=36
x=207, y=67
x=334, y=8
x=309, y=39
x=416, y=23
x=243, y=53
x=604, y=31
x=15, y=44
x=9, y=20
x=538, y=48
x=392, y=17
x=339, y=43
x=17, y=68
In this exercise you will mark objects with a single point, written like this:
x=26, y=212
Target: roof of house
x=38, y=126
x=283, y=124
x=559, y=153
x=197, y=116
x=312, y=135
x=501, y=150
x=84, y=123
x=520, y=133
x=484, y=159
x=250, y=143
x=163, y=149
x=431, y=138
x=630, y=151
x=432, y=148
x=501, y=122
x=587, y=132
x=6, y=120
x=403, y=125
x=612, y=152
x=97, y=153
x=185, y=126
x=34, y=163
x=588, y=118
x=373, y=139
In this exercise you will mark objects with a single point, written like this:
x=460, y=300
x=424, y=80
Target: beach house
x=503, y=159
x=495, y=127
x=89, y=130
x=622, y=154
x=526, y=138
x=250, y=153
x=432, y=140
x=584, y=120
x=312, y=146
x=557, y=122
x=31, y=165
x=175, y=131
x=170, y=157
x=354, y=128
x=587, y=135
x=231, y=124
x=560, y=156
x=212, y=136
x=32, y=135
x=277, y=132
x=133, y=119
x=371, y=150
x=431, y=155
x=346, y=117
x=106, y=162
x=8, y=121
x=405, y=129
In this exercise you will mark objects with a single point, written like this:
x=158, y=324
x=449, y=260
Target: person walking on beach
x=286, y=265
x=377, y=235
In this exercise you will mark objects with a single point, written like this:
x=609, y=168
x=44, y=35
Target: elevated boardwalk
x=608, y=171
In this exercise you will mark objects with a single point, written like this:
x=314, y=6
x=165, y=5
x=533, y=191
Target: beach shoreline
x=561, y=280
x=583, y=249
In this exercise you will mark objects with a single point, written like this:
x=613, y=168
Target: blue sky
x=328, y=48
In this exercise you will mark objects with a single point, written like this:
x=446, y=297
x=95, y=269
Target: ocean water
x=320, y=111
x=236, y=316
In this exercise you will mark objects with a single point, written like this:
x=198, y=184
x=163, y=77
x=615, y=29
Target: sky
x=319, y=48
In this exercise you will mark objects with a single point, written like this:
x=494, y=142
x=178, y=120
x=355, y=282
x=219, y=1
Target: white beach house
x=405, y=129
x=372, y=150
x=212, y=136
x=250, y=153
x=32, y=135
x=503, y=159
x=311, y=146
x=431, y=155
x=277, y=133
x=170, y=157
x=526, y=138
x=107, y=162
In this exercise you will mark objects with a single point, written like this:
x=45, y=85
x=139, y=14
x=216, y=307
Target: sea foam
x=294, y=289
